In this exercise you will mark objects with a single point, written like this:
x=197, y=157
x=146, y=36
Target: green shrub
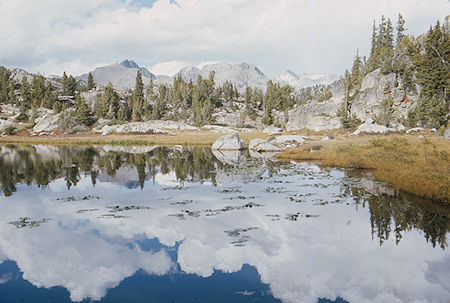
x=9, y=130
x=324, y=96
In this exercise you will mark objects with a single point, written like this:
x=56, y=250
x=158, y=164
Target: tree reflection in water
x=40, y=165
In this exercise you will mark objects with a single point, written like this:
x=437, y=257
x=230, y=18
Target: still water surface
x=154, y=224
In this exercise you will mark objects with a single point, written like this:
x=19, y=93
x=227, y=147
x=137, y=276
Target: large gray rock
x=133, y=127
x=270, y=145
x=276, y=144
x=272, y=130
x=46, y=123
x=368, y=128
x=376, y=87
x=229, y=142
x=447, y=134
x=291, y=139
x=315, y=116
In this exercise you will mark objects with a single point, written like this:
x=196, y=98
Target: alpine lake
x=184, y=224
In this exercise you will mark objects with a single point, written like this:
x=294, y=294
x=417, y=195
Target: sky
x=305, y=36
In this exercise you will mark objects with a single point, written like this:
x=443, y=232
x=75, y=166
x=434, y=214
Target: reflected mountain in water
x=251, y=230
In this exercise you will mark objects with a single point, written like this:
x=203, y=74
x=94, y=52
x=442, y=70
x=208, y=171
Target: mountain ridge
x=122, y=75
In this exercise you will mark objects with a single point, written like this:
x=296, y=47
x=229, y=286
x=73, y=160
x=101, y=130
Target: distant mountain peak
x=304, y=80
x=129, y=63
x=291, y=73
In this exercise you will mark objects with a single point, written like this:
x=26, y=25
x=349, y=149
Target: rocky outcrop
x=132, y=128
x=315, y=116
x=46, y=123
x=229, y=142
x=64, y=121
x=276, y=144
x=369, y=128
x=271, y=145
x=272, y=130
x=366, y=104
x=376, y=87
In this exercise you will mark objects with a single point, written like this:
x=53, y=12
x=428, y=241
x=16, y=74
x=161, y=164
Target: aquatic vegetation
x=408, y=164
x=27, y=222
x=184, y=202
x=74, y=199
x=82, y=211
x=231, y=190
x=277, y=190
x=117, y=208
x=177, y=187
x=240, y=234
x=241, y=198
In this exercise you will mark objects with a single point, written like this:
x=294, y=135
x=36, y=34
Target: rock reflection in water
x=307, y=231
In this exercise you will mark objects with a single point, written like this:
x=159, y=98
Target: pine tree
x=138, y=98
x=90, y=83
x=83, y=113
x=374, y=42
x=433, y=74
x=400, y=29
x=4, y=84
x=25, y=93
x=69, y=85
x=357, y=72
x=109, y=103
x=39, y=90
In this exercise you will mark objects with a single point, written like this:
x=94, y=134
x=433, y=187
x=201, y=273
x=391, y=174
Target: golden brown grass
x=180, y=138
x=408, y=163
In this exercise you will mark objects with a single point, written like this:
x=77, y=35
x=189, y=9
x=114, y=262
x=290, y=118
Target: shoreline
x=418, y=166
x=408, y=163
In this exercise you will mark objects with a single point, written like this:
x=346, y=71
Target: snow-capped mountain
x=305, y=80
x=121, y=75
x=240, y=75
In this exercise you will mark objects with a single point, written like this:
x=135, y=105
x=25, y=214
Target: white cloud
x=305, y=36
x=301, y=261
x=77, y=67
x=168, y=68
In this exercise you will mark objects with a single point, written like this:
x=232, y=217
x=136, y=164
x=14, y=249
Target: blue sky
x=306, y=36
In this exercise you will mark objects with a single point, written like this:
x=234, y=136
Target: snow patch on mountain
x=304, y=80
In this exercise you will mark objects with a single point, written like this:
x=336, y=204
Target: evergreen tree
x=400, y=29
x=374, y=41
x=25, y=93
x=109, y=103
x=69, y=85
x=4, y=85
x=83, y=113
x=269, y=100
x=357, y=72
x=39, y=90
x=138, y=98
x=90, y=83
x=161, y=102
x=433, y=74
